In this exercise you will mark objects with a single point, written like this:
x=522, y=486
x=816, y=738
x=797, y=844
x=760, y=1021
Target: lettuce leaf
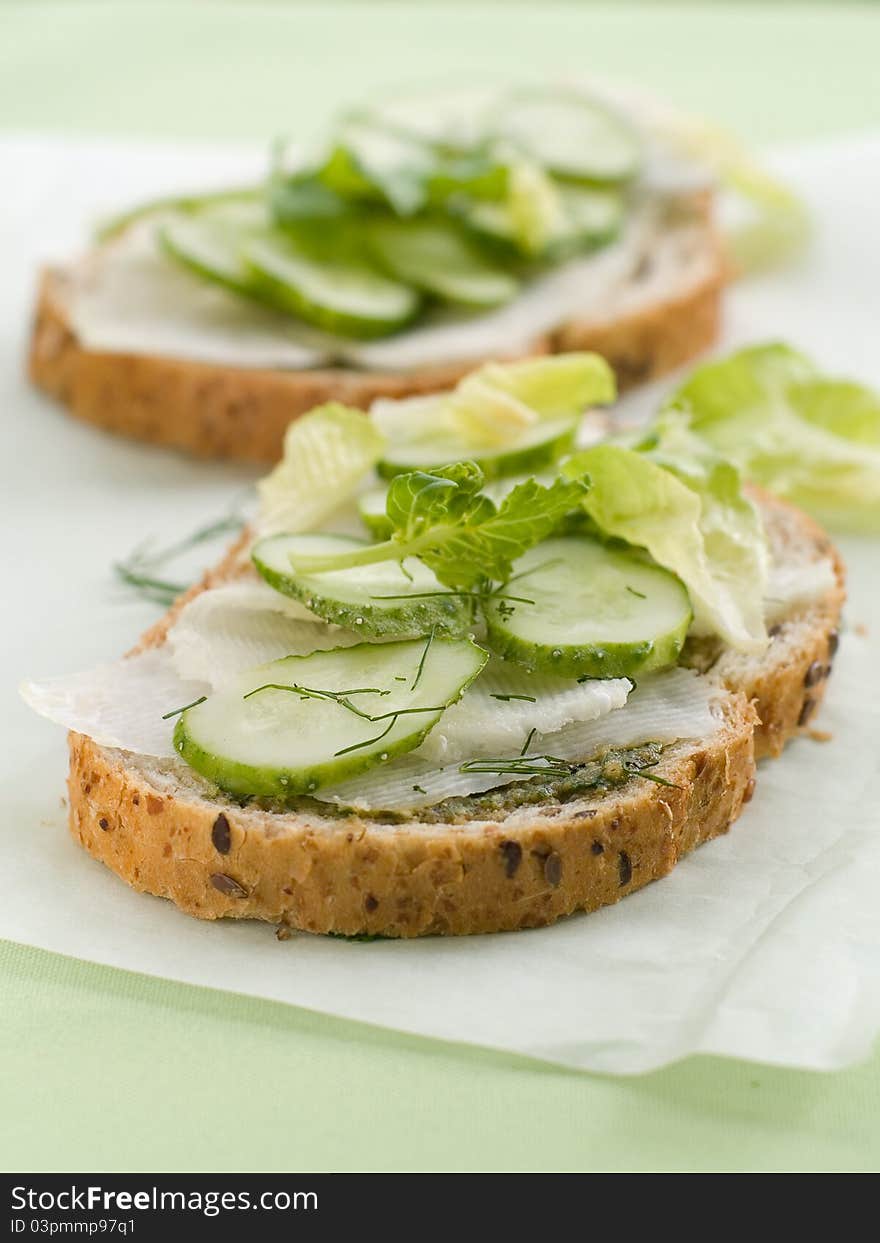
x=774, y=225
x=496, y=403
x=456, y=529
x=326, y=455
x=686, y=508
x=806, y=437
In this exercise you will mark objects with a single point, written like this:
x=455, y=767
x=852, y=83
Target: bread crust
x=788, y=686
x=352, y=876
x=238, y=413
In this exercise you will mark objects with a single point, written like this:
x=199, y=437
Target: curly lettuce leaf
x=687, y=510
x=326, y=455
x=499, y=398
x=419, y=502
x=456, y=529
x=806, y=437
x=496, y=403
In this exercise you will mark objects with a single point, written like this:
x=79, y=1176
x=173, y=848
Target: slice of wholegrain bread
x=665, y=315
x=165, y=831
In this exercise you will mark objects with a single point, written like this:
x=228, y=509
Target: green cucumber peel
x=210, y=243
x=343, y=297
x=400, y=600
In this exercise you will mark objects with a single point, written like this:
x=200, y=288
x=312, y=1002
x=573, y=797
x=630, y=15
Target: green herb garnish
x=456, y=529
x=177, y=711
x=343, y=699
x=660, y=781
x=424, y=657
x=357, y=746
x=141, y=570
x=522, y=766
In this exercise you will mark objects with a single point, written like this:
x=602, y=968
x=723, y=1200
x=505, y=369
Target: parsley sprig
x=445, y=519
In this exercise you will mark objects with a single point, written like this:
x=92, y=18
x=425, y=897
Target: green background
x=108, y=1070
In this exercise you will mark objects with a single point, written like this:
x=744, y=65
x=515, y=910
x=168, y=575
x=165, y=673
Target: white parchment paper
x=764, y=945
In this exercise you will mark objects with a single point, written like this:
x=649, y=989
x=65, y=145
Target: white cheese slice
x=120, y=704
x=217, y=635
x=668, y=707
x=791, y=584
x=505, y=703
x=243, y=624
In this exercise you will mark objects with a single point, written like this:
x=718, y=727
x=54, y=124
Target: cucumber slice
x=114, y=226
x=434, y=256
x=209, y=242
x=278, y=744
x=348, y=298
x=590, y=218
x=451, y=120
x=571, y=135
x=537, y=446
x=354, y=598
x=598, y=612
x=371, y=508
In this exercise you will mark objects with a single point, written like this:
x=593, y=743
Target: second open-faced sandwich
x=478, y=665
x=428, y=235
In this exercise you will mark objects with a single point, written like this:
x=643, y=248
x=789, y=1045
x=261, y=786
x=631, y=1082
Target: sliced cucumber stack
x=371, y=509
x=571, y=135
x=598, y=612
x=537, y=446
x=296, y=724
x=382, y=601
x=341, y=296
x=435, y=257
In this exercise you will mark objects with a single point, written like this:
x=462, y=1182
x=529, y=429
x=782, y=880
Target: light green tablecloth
x=105, y=1070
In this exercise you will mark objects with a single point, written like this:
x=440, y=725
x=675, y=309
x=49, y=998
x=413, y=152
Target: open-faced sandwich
x=478, y=665
x=428, y=236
